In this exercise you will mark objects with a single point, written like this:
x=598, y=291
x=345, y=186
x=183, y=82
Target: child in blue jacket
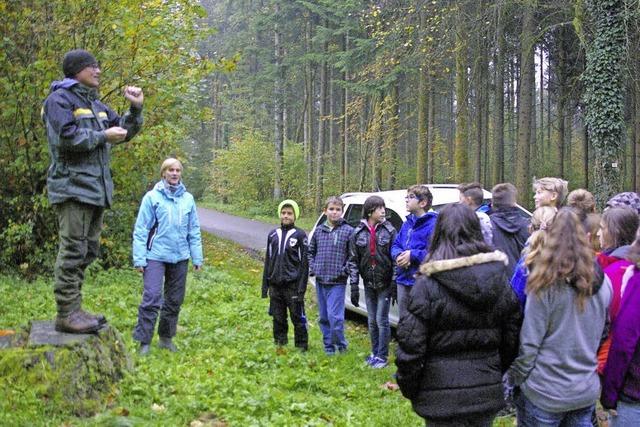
x=412, y=243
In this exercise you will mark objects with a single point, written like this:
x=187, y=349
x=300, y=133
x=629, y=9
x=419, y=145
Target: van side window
x=393, y=218
x=321, y=221
x=353, y=215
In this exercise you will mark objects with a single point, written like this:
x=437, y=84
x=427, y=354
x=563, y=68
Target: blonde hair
x=565, y=259
x=167, y=164
x=541, y=221
x=555, y=185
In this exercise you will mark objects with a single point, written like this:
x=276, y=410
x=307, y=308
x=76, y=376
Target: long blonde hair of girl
x=565, y=258
x=541, y=221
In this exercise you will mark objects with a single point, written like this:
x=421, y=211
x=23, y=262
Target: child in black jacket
x=371, y=252
x=285, y=276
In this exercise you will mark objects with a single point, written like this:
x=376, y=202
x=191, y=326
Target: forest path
x=249, y=233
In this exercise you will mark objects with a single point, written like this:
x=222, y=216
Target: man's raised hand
x=134, y=95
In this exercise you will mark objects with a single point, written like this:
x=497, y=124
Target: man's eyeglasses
x=411, y=196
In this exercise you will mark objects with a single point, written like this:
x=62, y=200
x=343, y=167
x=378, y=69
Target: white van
x=443, y=194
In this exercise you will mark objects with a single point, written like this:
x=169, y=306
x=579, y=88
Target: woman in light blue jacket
x=166, y=235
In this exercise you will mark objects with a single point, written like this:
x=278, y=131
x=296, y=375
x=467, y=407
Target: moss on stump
x=70, y=374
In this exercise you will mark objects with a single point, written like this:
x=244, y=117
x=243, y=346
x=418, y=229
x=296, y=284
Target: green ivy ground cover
x=227, y=371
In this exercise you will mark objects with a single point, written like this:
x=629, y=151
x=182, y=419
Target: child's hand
x=404, y=259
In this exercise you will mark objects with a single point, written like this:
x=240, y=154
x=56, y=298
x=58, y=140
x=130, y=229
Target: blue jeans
x=529, y=415
x=331, y=316
x=378, y=303
x=628, y=415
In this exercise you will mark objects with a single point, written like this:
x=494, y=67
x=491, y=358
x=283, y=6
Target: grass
x=306, y=221
x=227, y=371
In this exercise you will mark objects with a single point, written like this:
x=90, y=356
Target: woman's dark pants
x=174, y=277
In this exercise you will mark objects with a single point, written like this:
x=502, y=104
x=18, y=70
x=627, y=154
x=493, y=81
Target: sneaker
x=379, y=363
x=369, y=360
x=167, y=344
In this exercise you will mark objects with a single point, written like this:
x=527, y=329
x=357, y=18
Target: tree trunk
x=431, y=133
x=73, y=374
x=527, y=70
x=393, y=112
x=585, y=148
x=541, y=142
x=375, y=132
x=636, y=132
x=460, y=146
x=278, y=107
x=603, y=94
x=344, y=147
x=308, y=117
x=422, y=156
x=331, y=117
x=498, y=113
x=320, y=157
x=481, y=89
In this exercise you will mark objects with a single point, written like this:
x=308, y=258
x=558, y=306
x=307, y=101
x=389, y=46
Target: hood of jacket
x=160, y=186
x=507, y=219
x=465, y=277
x=621, y=252
x=63, y=84
x=417, y=222
x=72, y=84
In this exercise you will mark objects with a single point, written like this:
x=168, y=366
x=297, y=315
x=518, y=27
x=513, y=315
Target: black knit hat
x=76, y=60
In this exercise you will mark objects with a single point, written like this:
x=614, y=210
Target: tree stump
x=72, y=373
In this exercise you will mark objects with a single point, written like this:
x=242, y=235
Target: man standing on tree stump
x=81, y=131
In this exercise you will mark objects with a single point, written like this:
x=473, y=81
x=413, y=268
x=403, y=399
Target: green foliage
x=151, y=44
x=242, y=175
x=244, y=172
x=227, y=367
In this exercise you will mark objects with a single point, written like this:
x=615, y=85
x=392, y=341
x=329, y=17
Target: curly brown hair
x=565, y=258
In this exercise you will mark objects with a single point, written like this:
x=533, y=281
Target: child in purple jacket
x=621, y=382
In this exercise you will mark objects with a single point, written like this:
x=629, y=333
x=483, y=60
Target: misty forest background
x=265, y=99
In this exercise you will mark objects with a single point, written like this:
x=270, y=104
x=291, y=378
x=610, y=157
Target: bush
x=154, y=48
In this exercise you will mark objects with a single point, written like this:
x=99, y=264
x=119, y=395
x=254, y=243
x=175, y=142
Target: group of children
x=574, y=273
x=339, y=254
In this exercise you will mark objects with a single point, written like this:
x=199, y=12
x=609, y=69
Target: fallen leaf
x=390, y=386
x=158, y=408
x=123, y=412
